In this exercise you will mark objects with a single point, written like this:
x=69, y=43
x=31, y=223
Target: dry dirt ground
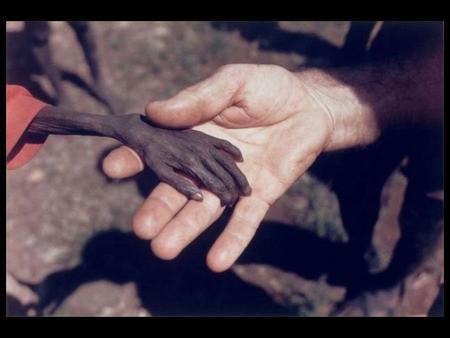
x=65, y=218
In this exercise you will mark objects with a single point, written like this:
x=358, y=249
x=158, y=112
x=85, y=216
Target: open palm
x=280, y=129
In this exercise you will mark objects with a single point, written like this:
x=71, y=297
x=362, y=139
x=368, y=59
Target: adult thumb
x=122, y=162
x=199, y=103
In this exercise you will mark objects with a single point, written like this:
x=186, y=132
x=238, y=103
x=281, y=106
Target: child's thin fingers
x=180, y=183
x=210, y=181
x=228, y=163
x=226, y=178
x=229, y=148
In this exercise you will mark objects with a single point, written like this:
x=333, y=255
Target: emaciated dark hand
x=175, y=154
x=177, y=157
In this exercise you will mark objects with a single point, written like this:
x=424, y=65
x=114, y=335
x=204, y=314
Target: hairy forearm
x=363, y=101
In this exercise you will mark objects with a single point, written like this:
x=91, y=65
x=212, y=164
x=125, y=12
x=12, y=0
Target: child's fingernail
x=197, y=196
x=247, y=191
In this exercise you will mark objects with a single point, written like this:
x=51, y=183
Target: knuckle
x=233, y=70
x=239, y=237
x=227, y=68
x=190, y=162
x=228, y=182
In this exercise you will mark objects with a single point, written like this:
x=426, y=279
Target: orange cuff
x=21, y=108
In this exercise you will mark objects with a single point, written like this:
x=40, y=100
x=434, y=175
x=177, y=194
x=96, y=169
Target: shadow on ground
x=186, y=286
x=271, y=36
x=21, y=68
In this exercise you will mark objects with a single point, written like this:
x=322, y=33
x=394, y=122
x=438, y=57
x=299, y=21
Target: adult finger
x=159, y=208
x=122, y=162
x=198, y=103
x=187, y=225
x=246, y=218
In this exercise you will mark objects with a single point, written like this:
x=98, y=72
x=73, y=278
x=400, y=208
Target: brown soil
x=60, y=201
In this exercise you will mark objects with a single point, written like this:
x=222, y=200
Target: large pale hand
x=275, y=120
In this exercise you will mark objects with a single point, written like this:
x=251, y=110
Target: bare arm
x=281, y=121
x=57, y=121
x=364, y=100
x=169, y=153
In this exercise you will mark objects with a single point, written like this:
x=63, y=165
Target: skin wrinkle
x=242, y=231
x=191, y=225
x=341, y=97
x=236, y=176
x=172, y=201
x=286, y=101
x=234, y=71
x=220, y=189
x=238, y=109
x=181, y=183
x=250, y=211
x=156, y=146
x=221, y=119
x=386, y=93
x=235, y=90
x=323, y=106
x=225, y=177
x=244, y=225
x=255, y=121
x=270, y=171
x=251, y=133
x=195, y=225
x=237, y=236
x=349, y=93
x=163, y=201
x=196, y=222
x=199, y=103
x=228, y=147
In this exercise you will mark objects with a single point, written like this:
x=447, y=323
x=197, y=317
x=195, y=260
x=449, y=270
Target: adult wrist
x=352, y=121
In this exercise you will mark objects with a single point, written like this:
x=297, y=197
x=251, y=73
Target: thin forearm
x=365, y=100
x=169, y=153
x=52, y=120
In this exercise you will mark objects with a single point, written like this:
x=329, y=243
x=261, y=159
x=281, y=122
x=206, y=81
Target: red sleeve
x=21, y=108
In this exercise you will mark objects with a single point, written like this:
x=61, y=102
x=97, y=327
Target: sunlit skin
x=173, y=155
x=263, y=111
x=281, y=121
